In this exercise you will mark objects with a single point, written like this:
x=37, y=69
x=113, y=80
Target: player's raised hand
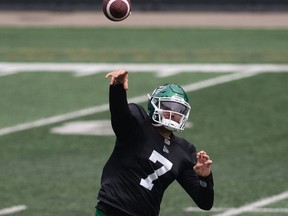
x=203, y=165
x=118, y=77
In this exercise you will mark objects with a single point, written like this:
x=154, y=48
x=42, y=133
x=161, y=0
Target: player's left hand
x=203, y=165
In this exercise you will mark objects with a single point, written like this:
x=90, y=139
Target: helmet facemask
x=170, y=112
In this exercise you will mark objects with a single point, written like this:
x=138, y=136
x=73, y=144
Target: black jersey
x=143, y=164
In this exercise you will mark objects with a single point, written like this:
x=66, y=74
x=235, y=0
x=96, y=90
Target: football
x=116, y=10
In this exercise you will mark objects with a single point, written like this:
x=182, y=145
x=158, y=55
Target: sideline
x=242, y=20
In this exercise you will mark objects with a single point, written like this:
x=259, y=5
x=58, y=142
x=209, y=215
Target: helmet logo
x=157, y=90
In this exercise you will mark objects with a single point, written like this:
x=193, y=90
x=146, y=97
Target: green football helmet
x=168, y=106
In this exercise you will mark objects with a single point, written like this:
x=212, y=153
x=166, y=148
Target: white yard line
x=196, y=209
x=13, y=209
x=104, y=107
x=256, y=210
x=54, y=119
x=270, y=210
x=252, y=206
x=219, y=80
x=241, y=71
x=84, y=69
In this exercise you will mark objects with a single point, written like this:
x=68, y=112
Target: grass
x=44, y=94
x=143, y=45
x=242, y=124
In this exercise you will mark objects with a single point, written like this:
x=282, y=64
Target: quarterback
x=148, y=156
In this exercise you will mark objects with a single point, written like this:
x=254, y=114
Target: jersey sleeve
x=125, y=118
x=200, y=189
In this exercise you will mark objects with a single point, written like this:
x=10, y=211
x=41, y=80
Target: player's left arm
x=197, y=181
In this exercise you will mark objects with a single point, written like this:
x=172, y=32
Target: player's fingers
x=202, y=155
x=126, y=83
x=197, y=166
x=206, y=157
x=208, y=163
x=120, y=72
x=111, y=76
x=202, y=152
x=113, y=73
x=118, y=76
x=108, y=75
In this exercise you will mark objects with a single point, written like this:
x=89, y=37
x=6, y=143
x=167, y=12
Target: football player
x=148, y=156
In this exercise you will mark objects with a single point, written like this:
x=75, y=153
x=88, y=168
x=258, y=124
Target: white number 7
x=167, y=165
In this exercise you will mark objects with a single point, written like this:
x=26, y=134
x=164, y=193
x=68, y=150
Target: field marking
x=240, y=72
x=254, y=205
x=105, y=107
x=12, y=209
x=89, y=127
x=161, y=70
x=256, y=210
x=92, y=127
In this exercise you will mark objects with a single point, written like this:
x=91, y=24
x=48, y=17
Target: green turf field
x=143, y=45
x=241, y=123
